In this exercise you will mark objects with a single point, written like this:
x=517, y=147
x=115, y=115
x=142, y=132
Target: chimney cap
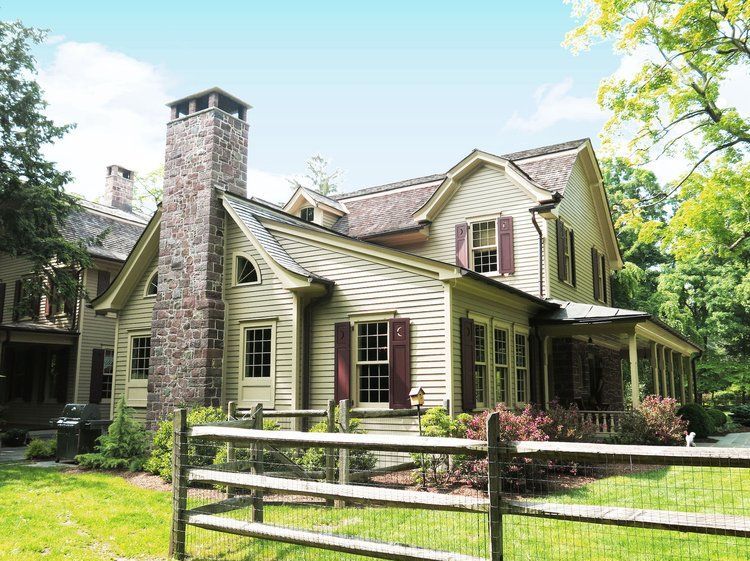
x=224, y=101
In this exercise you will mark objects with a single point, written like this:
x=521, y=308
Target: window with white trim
x=307, y=214
x=246, y=271
x=569, y=254
x=484, y=246
x=140, y=357
x=371, y=362
x=522, y=367
x=500, y=340
x=107, y=371
x=480, y=363
x=153, y=285
x=258, y=354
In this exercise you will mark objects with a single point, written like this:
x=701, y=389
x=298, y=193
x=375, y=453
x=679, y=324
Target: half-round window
x=247, y=272
x=153, y=285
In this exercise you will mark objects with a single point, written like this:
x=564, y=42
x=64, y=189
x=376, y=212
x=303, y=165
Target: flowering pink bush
x=655, y=422
x=568, y=425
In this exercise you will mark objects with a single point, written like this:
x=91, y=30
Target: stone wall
x=204, y=150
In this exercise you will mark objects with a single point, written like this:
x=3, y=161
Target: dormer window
x=153, y=285
x=247, y=271
x=307, y=214
x=484, y=246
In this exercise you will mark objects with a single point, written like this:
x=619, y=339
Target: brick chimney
x=206, y=153
x=118, y=188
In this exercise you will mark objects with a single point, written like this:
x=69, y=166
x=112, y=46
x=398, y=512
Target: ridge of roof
x=391, y=186
x=544, y=150
x=113, y=212
x=325, y=199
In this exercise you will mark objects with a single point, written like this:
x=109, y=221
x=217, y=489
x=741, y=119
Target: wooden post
x=671, y=374
x=256, y=464
x=494, y=486
x=691, y=387
x=330, y=452
x=655, y=369
x=179, y=485
x=635, y=396
x=681, y=363
x=663, y=371
x=231, y=456
x=344, y=407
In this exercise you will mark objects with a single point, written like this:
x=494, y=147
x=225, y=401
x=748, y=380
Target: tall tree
x=148, y=190
x=33, y=202
x=673, y=102
x=318, y=176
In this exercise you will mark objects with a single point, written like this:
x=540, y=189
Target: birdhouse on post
x=416, y=396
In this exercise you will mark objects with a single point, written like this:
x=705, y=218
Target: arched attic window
x=153, y=284
x=246, y=271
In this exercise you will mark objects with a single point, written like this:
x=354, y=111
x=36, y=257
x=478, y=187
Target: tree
x=318, y=177
x=33, y=202
x=148, y=190
x=673, y=102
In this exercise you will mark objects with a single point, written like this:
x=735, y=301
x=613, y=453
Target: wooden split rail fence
x=495, y=505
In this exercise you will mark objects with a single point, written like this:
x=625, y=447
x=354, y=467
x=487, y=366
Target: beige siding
x=265, y=301
x=11, y=269
x=135, y=317
x=327, y=219
x=577, y=211
x=489, y=192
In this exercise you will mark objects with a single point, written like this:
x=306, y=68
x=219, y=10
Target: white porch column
x=672, y=385
x=663, y=372
x=691, y=388
x=682, y=379
x=634, y=383
x=655, y=369
x=546, y=341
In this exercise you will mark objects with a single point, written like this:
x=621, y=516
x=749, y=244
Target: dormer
x=311, y=206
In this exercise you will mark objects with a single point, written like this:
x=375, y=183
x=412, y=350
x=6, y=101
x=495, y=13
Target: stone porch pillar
x=634, y=381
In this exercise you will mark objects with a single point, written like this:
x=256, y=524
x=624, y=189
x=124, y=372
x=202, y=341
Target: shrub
x=15, y=437
x=124, y=446
x=41, y=449
x=567, y=424
x=717, y=416
x=741, y=414
x=438, y=468
x=698, y=420
x=159, y=461
x=656, y=422
x=243, y=454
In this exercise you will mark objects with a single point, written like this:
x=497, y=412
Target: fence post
x=344, y=406
x=231, y=456
x=330, y=457
x=179, y=485
x=256, y=464
x=494, y=484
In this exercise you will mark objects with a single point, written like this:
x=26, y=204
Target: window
x=107, y=370
x=372, y=362
x=307, y=214
x=501, y=363
x=153, y=285
x=569, y=255
x=480, y=363
x=247, y=272
x=140, y=357
x=599, y=274
x=258, y=355
x=522, y=367
x=484, y=246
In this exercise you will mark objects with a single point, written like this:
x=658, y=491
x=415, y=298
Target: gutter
x=546, y=207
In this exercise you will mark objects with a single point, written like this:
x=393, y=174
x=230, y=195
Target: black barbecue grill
x=78, y=429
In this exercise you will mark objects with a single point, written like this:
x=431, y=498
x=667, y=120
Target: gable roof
x=303, y=196
x=122, y=229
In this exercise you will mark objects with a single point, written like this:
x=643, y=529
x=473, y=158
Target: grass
x=53, y=515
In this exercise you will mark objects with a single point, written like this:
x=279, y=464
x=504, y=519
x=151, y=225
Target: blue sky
x=386, y=90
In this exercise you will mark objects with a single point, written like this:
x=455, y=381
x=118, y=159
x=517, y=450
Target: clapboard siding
x=363, y=286
x=488, y=192
x=11, y=270
x=267, y=300
x=577, y=211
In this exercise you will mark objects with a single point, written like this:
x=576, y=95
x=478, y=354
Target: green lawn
x=53, y=515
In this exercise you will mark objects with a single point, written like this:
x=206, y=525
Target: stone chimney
x=118, y=188
x=206, y=153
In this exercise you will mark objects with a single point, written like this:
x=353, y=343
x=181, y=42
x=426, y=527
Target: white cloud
x=117, y=103
x=555, y=104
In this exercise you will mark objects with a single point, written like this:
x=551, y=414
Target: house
x=487, y=283
x=62, y=351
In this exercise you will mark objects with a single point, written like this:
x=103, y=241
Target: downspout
x=534, y=212
x=307, y=341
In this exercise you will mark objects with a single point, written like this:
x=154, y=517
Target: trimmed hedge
x=717, y=416
x=698, y=420
x=741, y=414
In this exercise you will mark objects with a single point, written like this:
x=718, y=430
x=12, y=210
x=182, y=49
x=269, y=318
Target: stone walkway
x=731, y=440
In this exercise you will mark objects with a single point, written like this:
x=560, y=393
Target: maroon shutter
x=2, y=300
x=16, y=299
x=506, y=259
x=603, y=273
x=399, y=364
x=572, y=250
x=561, y=273
x=343, y=360
x=102, y=282
x=468, y=396
x=462, y=245
x=97, y=375
x=595, y=266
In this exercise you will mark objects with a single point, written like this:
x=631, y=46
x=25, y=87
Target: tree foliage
x=318, y=176
x=148, y=190
x=34, y=204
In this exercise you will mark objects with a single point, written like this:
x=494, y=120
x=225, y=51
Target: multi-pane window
x=569, y=255
x=372, y=361
x=307, y=214
x=246, y=271
x=153, y=285
x=480, y=363
x=107, y=370
x=484, y=246
x=258, y=342
x=501, y=363
x=522, y=367
x=140, y=356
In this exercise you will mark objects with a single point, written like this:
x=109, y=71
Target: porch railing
x=606, y=422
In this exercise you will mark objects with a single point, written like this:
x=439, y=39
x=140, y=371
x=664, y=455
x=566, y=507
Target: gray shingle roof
x=577, y=312
x=391, y=186
x=122, y=229
x=544, y=150
x=551, y=173
x=321, y=198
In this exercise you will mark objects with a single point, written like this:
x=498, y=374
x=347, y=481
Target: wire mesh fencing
x=242, y=493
